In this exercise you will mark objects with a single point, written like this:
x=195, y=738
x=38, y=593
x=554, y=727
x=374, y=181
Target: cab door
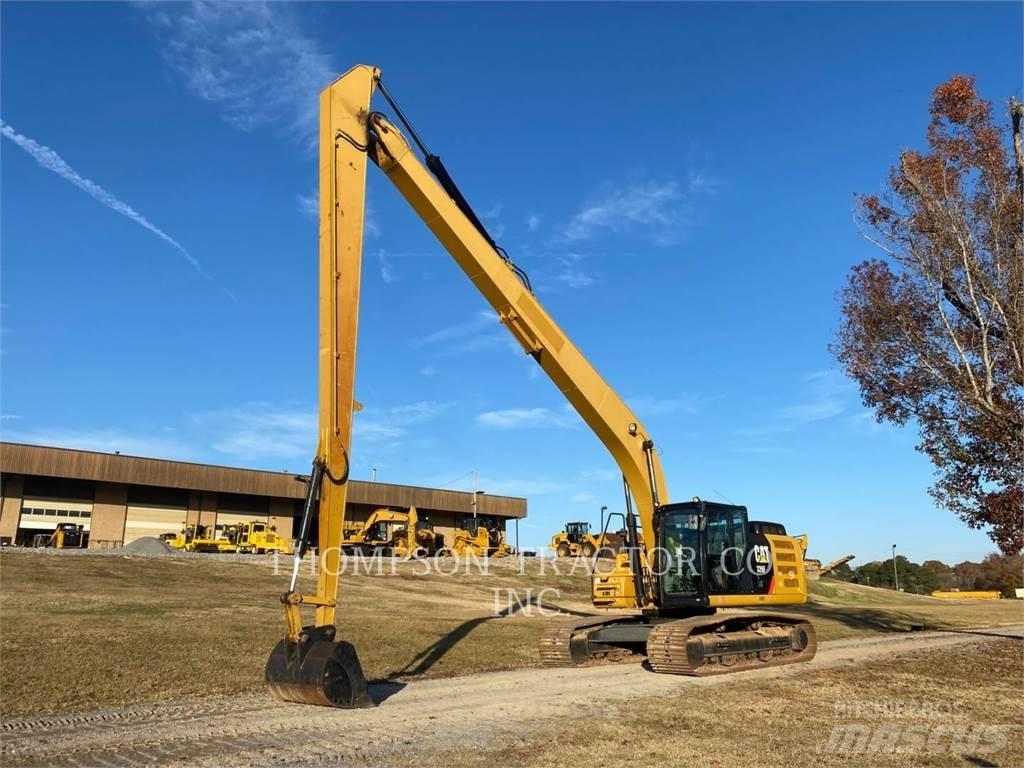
x=726, y=549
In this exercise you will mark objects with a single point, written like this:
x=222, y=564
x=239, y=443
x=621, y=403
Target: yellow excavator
x=684, y=562
x=392, y=532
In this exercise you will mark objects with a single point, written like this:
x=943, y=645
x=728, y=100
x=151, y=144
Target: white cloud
x=528, y=418
x=817, y=409
x=660, y=406
x=251, y=434
x=387, y=268
x=104, y=441
x=473, y=335
x=663, y=209
x=572, y=273
x=491, y=219
x=828, y=395
x=51, y=161
x=603, y=475
x=370, y=223
x=380, y=424
x=533, y=222
x=309, y=206
x=865, y=421
x=250, y=59
x=582, y=498
x=259, y=430
x=429, y=371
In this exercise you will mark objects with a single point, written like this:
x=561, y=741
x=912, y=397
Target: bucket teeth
x=318, y=671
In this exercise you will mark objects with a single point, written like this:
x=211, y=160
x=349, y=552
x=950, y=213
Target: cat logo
x=762, y=559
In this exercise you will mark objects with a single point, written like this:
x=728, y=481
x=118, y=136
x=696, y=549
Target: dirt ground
x=960, y=690
x=148, y=661
x=148, y=630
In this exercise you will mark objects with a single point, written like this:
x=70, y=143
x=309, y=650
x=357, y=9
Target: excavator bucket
x=318, y=670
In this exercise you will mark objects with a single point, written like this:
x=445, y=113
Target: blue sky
x=676, y=178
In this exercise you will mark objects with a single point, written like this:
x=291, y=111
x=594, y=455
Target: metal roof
x=47, y=461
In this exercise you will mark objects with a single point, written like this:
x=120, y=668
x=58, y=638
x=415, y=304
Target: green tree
x=842, y=573
x=966, y=575
x=943, y=574
x=1001, y=573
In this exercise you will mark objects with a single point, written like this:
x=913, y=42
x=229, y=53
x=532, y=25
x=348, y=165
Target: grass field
x=87, y=631
x=936, y=708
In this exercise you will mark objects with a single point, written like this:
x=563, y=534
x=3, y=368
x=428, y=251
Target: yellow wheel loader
x=682, y=561
x=576, y=539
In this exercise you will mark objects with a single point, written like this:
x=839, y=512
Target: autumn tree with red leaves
x=932, y=330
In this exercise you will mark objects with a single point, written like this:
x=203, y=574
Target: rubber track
x=666, y=646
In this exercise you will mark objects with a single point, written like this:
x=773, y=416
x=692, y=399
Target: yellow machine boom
x=309, y=665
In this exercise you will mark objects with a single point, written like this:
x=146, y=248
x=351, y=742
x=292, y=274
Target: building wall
x=114, y=512
x=282, y=514
x=109, y=515
x=10, y=506
x=43, y=503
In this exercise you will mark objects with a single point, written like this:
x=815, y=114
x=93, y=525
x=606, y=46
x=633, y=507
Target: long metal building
x=120, y=498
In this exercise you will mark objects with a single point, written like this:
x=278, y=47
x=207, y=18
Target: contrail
x=51, y=161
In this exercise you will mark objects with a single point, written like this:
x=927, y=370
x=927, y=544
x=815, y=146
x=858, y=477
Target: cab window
x=679, y=563
x=727, y=548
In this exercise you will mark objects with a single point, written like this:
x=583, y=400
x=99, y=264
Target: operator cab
x=576, y=532
x=473, y=524
x=706, y=548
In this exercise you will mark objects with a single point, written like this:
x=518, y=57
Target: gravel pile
x=147, y=545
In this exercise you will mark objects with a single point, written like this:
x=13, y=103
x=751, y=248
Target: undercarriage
x=697, y=646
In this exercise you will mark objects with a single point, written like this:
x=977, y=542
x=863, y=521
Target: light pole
x=895, y=570
x=475, y=493
x=603, y=510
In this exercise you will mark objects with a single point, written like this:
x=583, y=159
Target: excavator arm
x=351, y=134
x=517, y=308
x=309, y=665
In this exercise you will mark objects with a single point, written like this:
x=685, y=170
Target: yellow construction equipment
x=253, y=537
x=479, y=537
x=257, y=537
x=576, y=539
x=64, y=536
x=694, y=557
x=970, y=594
x=391, y=532
x=201, y=538
x=826, y=570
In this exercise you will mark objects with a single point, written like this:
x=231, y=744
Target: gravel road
x=254, y=730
